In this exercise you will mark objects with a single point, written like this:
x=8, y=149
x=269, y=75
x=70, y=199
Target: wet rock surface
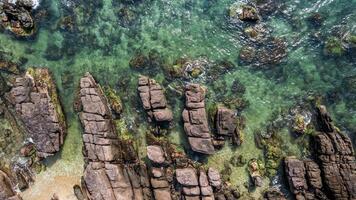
x=195, y=120
x=35, y=101
x=332, y=175
x=108, y=173
x=226, y=125
x=181, y=178
x=17, y=17
x=154, y=100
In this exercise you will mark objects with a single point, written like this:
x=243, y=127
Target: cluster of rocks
x=112, y=170
x=111, y=174
x=35, y=101
x=226, y=125
x=333, y=175
x=7, y=188
x=195, y=120
x=270, y=52
x=174, y=176
x=154, y=101
x=17, y=18
x=261, y=49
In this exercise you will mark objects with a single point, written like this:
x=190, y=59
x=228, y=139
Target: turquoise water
x=105, y=35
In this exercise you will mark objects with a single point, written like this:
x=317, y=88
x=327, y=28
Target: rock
x=243, y=12
x=109, y=172
x=78, y=192
x=254, y=170
x=247, y=54
x=17, y=18
x=249, y=13
x=37, y=105
x=324, y=119
x=295, y=172
x=214, y=178
x=334, y=47
x=154, y=100
x=114, y=101
x=266, y=7
x=333, y=175
x=225, y=121
x=195, y=120
x=336, y=155
x=226, y=125
x=274, y=194
x=187, y=177
x=7, y=191
x=155, y=154
x=316, y=20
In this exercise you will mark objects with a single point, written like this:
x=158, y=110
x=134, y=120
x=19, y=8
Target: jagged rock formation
x=333, y=176
x=17, y=18
x=112, y=170
x=7, y=191
x=336, y=158
x=37, y=106
x=304, y=178
x=195, y=120
x=154, y=100
x=226, y=125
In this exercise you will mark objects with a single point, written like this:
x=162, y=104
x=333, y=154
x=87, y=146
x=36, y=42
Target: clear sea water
x=104, y=44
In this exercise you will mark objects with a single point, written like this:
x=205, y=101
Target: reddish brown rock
x=295, y=172
x=195, y=120
x=336, y=158
x=154, y=100
x=226, y=125
x=333, y=176
x=37, y=106
x=155, y=154
x=109, y=174
x=7, y=191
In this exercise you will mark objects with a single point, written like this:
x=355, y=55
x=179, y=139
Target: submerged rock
x=35, y=100
x=244, y=12
x=270, y=52
x=334, y=47
x=195, y=120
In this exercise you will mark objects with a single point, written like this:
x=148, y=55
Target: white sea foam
x=34, y=3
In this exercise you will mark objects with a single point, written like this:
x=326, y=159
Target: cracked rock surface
x=153, y=100
x=195, y=120
x=34, y=98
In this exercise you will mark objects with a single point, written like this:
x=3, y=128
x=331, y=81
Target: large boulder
x=35, y=99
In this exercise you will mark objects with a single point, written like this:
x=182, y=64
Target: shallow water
x=193, y=29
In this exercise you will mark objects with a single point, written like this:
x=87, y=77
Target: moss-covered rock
x=334, y=47
x=114, y=100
